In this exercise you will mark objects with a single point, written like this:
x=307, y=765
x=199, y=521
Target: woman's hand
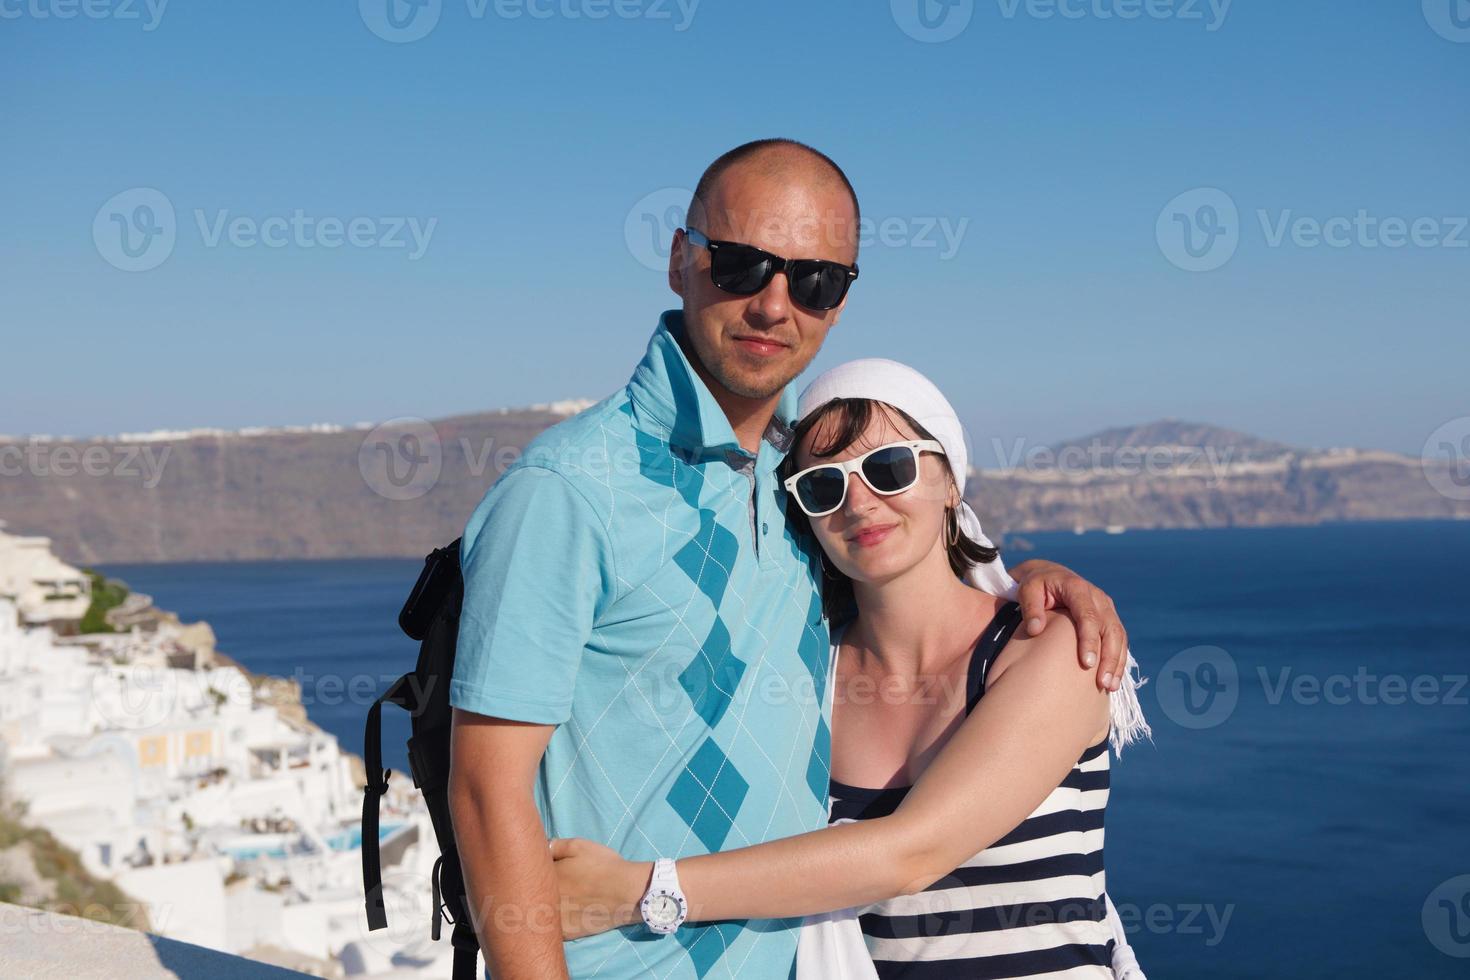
x=599, y=890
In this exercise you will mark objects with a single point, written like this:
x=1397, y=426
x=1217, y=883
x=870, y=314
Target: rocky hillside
x=402, y=488
x=1182, y=474
x=38, y=871
x=399, y=489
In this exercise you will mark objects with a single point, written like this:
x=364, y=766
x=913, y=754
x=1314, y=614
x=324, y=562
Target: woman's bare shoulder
x=1054, y=650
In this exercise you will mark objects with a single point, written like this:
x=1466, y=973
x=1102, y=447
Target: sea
x=1302, y=811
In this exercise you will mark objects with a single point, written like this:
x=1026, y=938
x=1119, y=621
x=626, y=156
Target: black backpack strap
x=372, y=794
x=466, y=950
x=452, y=907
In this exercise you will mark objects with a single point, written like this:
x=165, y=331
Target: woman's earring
x=952, y=529
x=827, y=569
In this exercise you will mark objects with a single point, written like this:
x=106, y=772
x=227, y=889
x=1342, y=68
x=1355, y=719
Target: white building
x=234, y=824
x=43, y=586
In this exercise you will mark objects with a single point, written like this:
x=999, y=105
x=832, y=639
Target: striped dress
x=1030, y=905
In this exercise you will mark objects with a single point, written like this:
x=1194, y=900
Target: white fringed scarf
x=904, y=388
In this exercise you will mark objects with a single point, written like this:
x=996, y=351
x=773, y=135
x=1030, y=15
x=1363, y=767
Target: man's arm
x=503, y=850
x=1047, y=585
x=537, y=568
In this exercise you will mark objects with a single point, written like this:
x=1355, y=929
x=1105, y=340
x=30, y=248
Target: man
x=642, y=655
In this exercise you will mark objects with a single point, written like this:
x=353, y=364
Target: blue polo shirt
x=632, y=580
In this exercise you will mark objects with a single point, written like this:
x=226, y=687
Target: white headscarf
x=904, y=388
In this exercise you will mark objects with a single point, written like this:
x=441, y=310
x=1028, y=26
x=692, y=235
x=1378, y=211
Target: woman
x=969, y=761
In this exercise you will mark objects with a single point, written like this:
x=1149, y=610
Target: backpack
x=431, y=616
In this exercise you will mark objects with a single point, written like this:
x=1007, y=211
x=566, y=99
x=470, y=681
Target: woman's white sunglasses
x=891, y=468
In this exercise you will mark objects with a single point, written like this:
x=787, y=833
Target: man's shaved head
x=782, y=160
x=785, y=198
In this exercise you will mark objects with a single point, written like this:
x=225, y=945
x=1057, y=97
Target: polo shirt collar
x=668, y=390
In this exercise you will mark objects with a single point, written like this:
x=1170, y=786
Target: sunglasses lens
x=740, y=269
x=818, y=285
x=820, y=491
x=891, y=469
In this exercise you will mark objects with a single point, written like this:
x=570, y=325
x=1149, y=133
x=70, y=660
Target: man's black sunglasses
x=745, y=270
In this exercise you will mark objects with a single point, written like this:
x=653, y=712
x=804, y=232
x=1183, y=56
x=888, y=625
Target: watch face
x=663, y=910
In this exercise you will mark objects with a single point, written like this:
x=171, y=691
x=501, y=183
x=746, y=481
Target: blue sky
x=1027, y=170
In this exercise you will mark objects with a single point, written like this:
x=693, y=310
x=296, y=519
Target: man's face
x=753, y=346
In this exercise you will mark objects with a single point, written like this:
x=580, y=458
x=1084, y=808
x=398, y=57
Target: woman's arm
x=1038, y=716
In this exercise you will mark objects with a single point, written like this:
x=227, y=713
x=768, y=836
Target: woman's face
x=874, y=537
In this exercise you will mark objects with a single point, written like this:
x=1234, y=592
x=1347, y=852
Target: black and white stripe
x=1031, y=905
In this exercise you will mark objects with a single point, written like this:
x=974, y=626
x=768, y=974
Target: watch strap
x=664, y=875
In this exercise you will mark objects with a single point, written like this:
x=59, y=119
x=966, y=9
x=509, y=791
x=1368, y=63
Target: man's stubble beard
x=718, y=365
x=738, y=383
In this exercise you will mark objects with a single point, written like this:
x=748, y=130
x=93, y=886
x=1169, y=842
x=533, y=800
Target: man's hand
x=1047, y=585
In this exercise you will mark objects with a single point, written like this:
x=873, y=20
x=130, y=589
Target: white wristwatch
x=664, y=909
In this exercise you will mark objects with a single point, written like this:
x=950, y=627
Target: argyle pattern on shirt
x=694, y=716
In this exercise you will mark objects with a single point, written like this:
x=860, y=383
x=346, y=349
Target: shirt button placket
x=745, y=464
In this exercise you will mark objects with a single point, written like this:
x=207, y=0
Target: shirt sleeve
x=537, y=565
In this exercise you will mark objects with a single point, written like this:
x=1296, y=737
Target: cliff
x=403, y=488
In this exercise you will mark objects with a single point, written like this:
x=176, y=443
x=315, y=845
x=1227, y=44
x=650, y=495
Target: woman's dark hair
x=851, y=417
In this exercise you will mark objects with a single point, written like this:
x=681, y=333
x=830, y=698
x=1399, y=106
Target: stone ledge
x=37, y=944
